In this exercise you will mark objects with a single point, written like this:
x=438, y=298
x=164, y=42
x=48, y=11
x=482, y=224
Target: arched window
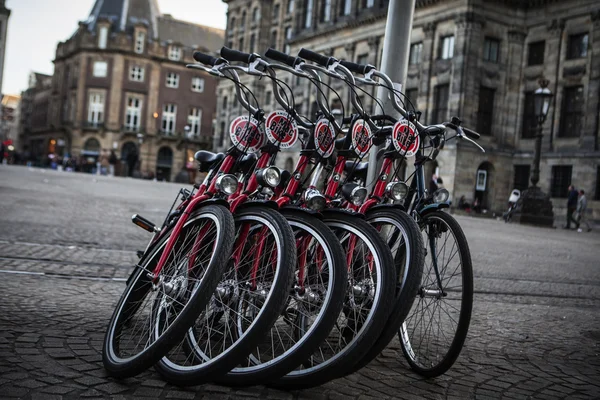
x=128, y=148
x=164, y=157
x=92, y=144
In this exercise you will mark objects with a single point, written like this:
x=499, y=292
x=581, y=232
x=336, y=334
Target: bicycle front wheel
x=152, y=316
x=434, y=332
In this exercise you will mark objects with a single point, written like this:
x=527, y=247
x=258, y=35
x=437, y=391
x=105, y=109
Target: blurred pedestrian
x=112, y=160
x=581, y=208
x=104, y=164
x=572, y=196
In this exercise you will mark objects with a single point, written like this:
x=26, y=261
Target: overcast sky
x=36, y=26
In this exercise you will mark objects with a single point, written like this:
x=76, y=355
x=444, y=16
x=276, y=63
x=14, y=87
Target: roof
x=190, y=34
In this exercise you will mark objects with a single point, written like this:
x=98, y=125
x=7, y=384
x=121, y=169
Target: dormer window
x=174, y=53
x=102, y=37
x=140, y=39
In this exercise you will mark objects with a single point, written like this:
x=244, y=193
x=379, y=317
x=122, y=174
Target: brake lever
x=212, y=71
x=462, y=136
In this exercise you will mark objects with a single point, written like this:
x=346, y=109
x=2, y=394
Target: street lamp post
x=535, y=206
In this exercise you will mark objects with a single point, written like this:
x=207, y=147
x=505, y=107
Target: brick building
x=120, y=83
x=479, y=60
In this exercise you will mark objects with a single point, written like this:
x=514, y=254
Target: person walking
x=112, y=161
x=104, y=164
x=572, y=196
x=581, y=208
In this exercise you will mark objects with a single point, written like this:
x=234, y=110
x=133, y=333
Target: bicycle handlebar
x=239, y=56
x=205, y=58
x=470, y=133
x=283, y=58
x=316, y=57
x=357, y=68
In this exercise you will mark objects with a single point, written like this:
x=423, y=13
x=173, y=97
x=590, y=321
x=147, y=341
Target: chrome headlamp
x=270, y=176
x=227, y=184
x=440, y=196
x=397, y=190
x=314, y=199
x=354, y=193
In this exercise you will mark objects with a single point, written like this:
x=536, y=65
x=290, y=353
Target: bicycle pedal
x=144, y=223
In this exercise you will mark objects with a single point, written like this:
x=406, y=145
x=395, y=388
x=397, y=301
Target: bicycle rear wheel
x=249, y=297
x=150, y=318
x=435, y=330
x=366, y=306
x=311, y=307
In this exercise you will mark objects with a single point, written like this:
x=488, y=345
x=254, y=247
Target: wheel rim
x=395, y=236
x=429, y=329
x=237, y=303
x=362, y=299
x=152, y=309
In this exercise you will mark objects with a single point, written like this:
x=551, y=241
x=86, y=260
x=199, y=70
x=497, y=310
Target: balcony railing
x=92, y=125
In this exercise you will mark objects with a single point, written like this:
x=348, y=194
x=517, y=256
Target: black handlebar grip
x=235, y=55
x=204, y=58
x=282, y=57
x=357, y=68
x=472, y=134
x=315, y=57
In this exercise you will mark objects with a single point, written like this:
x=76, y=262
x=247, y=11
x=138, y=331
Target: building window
x=536, y=53
x=528, y=131
x=276, y=12
x=232, y=24
x=255, y=14
x=174, y=53
x=290, y=6
x=561, y=179
x=136, y=74
x=440, y=99
x=224, y=106
x=288, y=36
x=447, y=47
x=133, y=114
x=597, y=196
x=362, y=59
x=194, y=121
x=521, y=178
x=243, y=21
x=577, y=46
x=197, y=84
x=491, y=50
x=308, y=10
x=140, y=38
x=326, y=10
x=222, y=135
x=274, y=39
x=168, y=119
x=252, y=42
x=415, y=53
x=486, y=110
x=268, y=98
x=370, y=3
x=571, y=112
x=96, y=109
x=102, y=37
x=100, y=69
x=411, y=98
x=172, y=80
x=346, y=7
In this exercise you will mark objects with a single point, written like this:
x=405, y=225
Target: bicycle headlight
x=314, y=199
x=397, y=190
x=440, y=196
x=354, y=193
x=227, y=184
x=270, y=176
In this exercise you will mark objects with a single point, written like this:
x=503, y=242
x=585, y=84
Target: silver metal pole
x=394, y=63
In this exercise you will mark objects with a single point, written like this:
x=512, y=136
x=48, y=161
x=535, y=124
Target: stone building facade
x=479, y=60
x=4, y=16
x=120, y=82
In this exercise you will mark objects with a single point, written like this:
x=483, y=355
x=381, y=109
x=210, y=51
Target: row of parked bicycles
x=260, y=275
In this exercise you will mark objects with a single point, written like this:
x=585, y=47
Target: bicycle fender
x=433, y=207
x=337, y=211
x=308, y=211
x=383, y=206
x=259, y=203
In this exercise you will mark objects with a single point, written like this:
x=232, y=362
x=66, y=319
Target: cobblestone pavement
x=66, y=245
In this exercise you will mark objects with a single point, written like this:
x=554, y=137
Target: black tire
x=189, y=363
x=405, y=240
x=189, y=300
x=319, y=296
x=435, y=354
x=357, y=335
